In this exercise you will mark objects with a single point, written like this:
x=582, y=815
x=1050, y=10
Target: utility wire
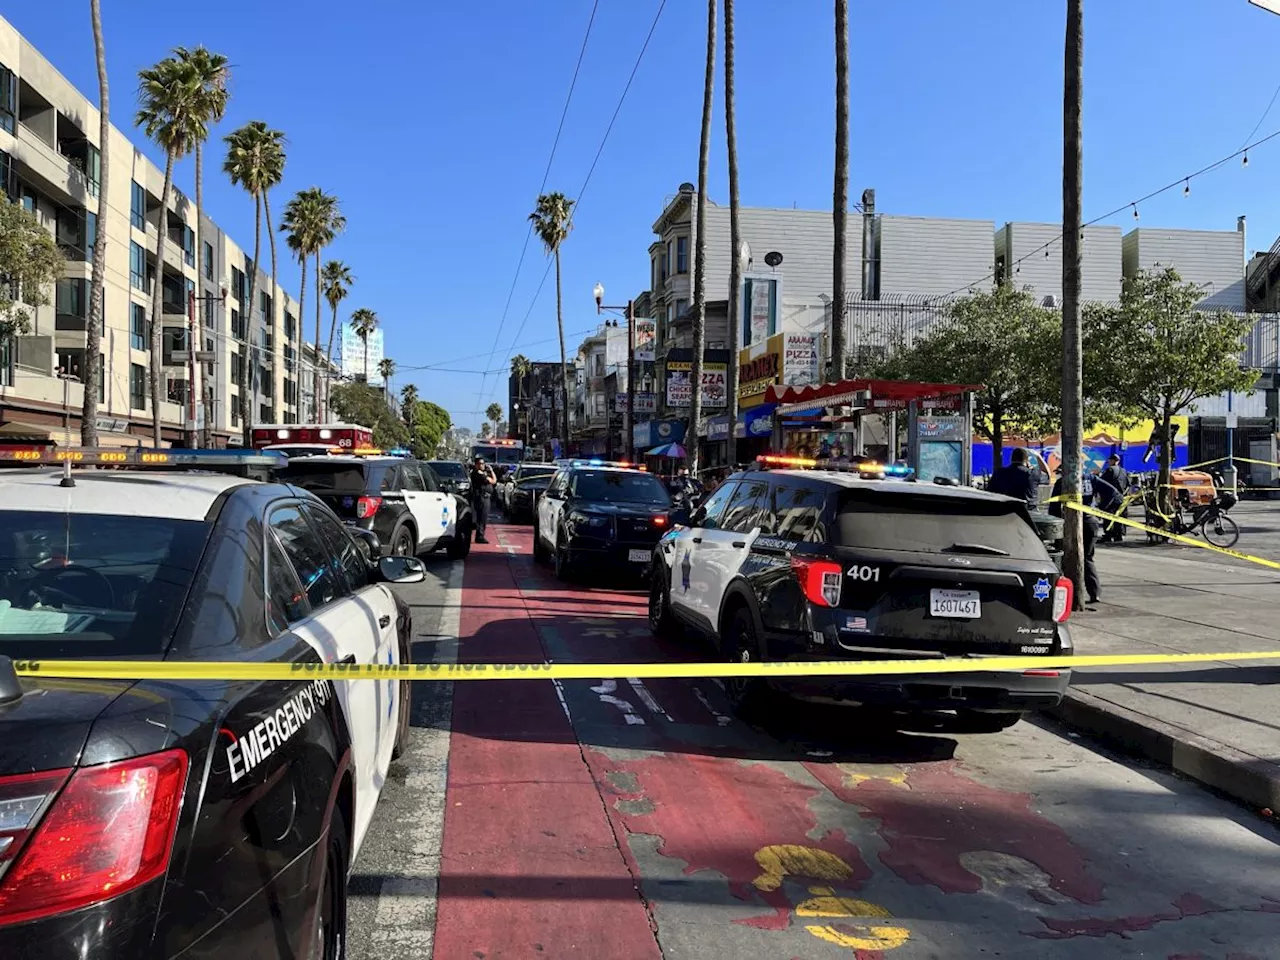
x=1184, y=181
x=524, y=249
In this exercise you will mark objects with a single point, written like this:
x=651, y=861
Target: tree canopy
x=30, y=260
x=363, y=404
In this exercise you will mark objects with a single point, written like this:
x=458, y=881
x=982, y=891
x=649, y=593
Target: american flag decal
x=856, y=623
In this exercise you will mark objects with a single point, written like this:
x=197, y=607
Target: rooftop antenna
x=66, y=480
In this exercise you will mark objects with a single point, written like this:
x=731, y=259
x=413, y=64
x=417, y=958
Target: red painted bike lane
x=530, y=863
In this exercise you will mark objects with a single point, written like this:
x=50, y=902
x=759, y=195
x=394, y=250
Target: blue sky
x=433, y=123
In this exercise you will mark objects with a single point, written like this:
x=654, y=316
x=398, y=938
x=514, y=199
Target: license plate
x=963, y=604
x=639, y=556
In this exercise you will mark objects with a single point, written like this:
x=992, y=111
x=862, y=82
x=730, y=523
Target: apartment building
x=1212, y=259
x=51, y=161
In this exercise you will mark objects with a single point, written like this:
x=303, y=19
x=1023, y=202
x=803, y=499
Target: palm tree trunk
x=245, y=413
x=321, y=418
x=89, y=373
x=1072, y=370
x=365, y=338
x=157, y=328
x=328, y=353
x=315, y=372
x=840, y=194
x=195, y=334
x=700, y=249
x=564, y=358
x=271, y=238
x=735, y=236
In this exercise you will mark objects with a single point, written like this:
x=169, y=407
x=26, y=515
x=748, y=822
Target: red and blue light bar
x=140, y=457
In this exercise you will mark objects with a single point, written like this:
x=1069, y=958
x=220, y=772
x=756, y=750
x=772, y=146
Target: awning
x=14, y=431
x=816, y=396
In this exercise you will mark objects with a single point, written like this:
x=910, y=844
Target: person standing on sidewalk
x=1093, y=492
x=1015, y=480
x=483, y=480
x=1118, y=477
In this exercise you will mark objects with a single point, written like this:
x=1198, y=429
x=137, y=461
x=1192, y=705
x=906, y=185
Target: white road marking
x=605, y=693
x=648, y=698
x=721, y=719
x=564, y=704
x=406, y=911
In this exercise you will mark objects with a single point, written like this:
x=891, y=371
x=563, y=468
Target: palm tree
x=168, y=112
x=332, y=224
x=521, y=367
x=308, y=221
x=700, y=244
x=211, y=102
x=386, y=370
x=337, y=279
x=840, y=194
x=552, y=219
x=493, y=413
x=89, y=373
x=364, y=321
x=1072, y=370
x=735, y=235
x=255, y=161
x=408, y=403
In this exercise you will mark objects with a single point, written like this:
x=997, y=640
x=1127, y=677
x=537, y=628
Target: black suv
x=600, y=514
x=394, y=497
x=828, y=565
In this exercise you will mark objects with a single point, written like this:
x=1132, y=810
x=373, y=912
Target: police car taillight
x=1063, y=599
x=819, y=579
x=108, y=831
x=367, y=506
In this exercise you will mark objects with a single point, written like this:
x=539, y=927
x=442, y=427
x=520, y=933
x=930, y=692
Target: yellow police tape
x=230, y=672
x=1180, y=538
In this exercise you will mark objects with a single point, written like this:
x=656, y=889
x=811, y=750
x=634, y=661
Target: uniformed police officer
x=1091, y=489
x=483, y=480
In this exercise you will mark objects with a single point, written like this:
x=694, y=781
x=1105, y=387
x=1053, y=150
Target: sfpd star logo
x=1042, y=589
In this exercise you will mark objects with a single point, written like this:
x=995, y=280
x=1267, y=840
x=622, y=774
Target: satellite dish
x=773, y=258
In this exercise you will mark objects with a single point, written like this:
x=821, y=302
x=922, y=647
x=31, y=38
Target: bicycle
x=1209, y=520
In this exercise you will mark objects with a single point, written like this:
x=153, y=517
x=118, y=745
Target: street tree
x=89, y=373
x=521, y=368
x=552, y=219
x=430, y=423
x=386, y=370
x=363, y=322
x=408, y=401
x=337, y=279
x=361, y=403
x=700, y=244
x=311, y=221
x=255, y=161
x=485, y=430
x=840, y=194
x=31, y=262
x=493, y=413
x=735, y=232
x=170, y=113
x=1161, y=353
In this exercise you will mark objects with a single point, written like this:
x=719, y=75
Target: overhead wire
x=555, y=143
x=1183, y=181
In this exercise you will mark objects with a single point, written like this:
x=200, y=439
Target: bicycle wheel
x=1221, y=531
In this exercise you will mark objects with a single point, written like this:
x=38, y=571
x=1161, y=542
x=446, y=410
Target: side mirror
x=680, y=515
x=698, y=517
x=402, y=570
x=369, y=543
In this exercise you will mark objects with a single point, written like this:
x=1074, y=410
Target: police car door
x=441, y=505
x=688, y=546
x=723, y=551
x=339, y=631
x=420, y=504
x=551, y=507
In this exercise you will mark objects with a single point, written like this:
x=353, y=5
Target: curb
x=1249, y=779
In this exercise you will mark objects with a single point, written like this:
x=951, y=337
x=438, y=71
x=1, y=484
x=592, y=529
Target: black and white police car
x=603, y=515
x=162, y=818
x=391, y=495
x=785, y=562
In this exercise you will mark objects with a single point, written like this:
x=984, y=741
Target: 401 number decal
x=865, y=572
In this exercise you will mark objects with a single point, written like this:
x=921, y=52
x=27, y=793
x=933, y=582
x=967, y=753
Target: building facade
x=351, y=355
x=51, y=161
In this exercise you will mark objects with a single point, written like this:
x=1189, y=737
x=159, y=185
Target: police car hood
x=48, y=727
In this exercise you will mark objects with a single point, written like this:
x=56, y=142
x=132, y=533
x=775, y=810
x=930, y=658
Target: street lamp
x=598, y=292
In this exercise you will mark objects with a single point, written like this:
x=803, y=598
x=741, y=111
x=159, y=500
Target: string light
x=1245, y=161
x=1186, y=189
x=1135, y=211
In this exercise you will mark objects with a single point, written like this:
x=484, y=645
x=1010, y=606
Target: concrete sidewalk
x=1216, y=723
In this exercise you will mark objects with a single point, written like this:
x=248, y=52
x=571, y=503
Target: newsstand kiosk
x=831, y=421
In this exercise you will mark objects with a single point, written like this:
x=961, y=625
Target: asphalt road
x=620, y=819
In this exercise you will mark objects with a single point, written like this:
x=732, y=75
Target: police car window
x=931, y=523
x=619, y=486
x=749, y=501
x=91, y=585
x=799, y=510
x=428, y=478
x=341, y=545
x=713, y=509
x=411, y=478
x=287, y=602
x=558, y=485
x=308, y=554
x=325, y=476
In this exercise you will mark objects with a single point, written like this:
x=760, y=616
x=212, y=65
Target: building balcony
x=45, y=164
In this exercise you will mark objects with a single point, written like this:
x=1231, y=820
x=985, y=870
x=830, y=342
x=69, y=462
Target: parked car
x=507, y=484
x=452, y=475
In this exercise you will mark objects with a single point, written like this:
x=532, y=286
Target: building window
x=90, y=232
x=29, y=200
x=188, y=246
x=6, y=363
x=682, y=307
x=265, y=305
x=176, y=391
x=239, y=328
x=8, y=98
x=237, y=286
x=102, y=378
x=138, y=207
x=290, y=326
x=137, y=267
x=137, y=386
x=664, y=261
x=138, y=338
x=265, y=413
x=70, y=298
x=237, y=370
x=682, y=254
x=208, y=261
x=235, y=412
x=208, y=348
x=93, y=168
x=291, y=393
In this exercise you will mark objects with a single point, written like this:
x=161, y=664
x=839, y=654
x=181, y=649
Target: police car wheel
x=539, y=551
x=743, y=693
x=402, y=721
x=563, y=566
x=402, y=543
x=461, y=545
x=330, y=942
x=661, y=621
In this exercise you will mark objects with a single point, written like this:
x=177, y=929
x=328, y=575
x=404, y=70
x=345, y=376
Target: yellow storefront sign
x=759, y=368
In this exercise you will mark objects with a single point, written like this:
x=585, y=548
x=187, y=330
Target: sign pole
x=631, y=381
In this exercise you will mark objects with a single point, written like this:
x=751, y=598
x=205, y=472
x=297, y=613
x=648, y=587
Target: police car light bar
x=141, y=457
x=869, y=468
x=597, y=462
